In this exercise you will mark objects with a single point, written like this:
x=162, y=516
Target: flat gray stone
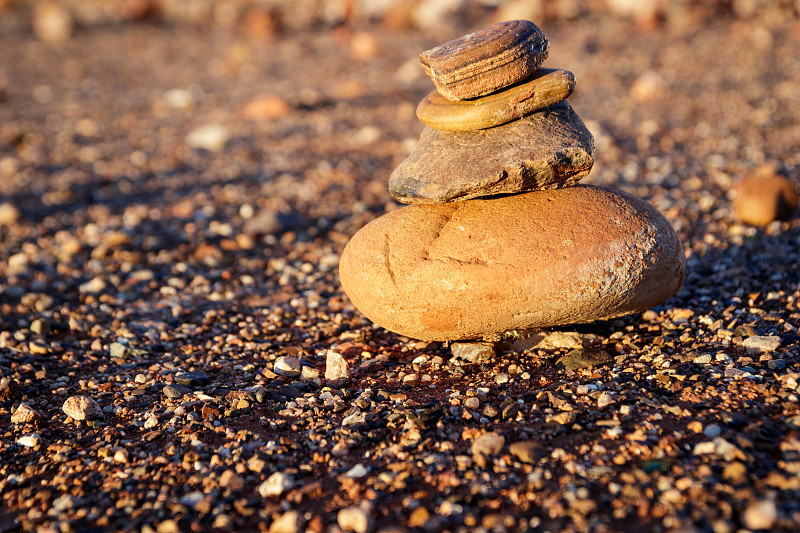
x=548, y=149
x=550, y=340
x=760, y=344
x=472, y=352
x=175, y=391
x=580, y=358
x=192, y=379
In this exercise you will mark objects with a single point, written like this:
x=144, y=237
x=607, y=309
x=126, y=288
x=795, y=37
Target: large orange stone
x=479, y=268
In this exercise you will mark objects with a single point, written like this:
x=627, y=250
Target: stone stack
x=499, y=237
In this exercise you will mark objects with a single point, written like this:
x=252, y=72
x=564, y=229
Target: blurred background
x=54, y=20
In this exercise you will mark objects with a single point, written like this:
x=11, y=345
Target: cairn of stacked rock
x=500, y=237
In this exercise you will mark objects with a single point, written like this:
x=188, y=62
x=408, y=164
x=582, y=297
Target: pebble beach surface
x=177, y=354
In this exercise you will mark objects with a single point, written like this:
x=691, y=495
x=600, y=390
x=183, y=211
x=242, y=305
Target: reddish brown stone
x=486, y=60
x=764, y=197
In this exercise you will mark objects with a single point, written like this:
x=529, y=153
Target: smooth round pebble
x=9, y=214
x=765, y=197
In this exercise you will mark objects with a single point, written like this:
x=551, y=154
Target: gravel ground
x=174, y=201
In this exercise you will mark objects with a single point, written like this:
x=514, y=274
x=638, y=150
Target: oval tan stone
x=486, y=60
x=764, y=197
x=479, y=268
x=544, y=88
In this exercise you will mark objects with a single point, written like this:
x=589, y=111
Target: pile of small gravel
x=186, y=288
